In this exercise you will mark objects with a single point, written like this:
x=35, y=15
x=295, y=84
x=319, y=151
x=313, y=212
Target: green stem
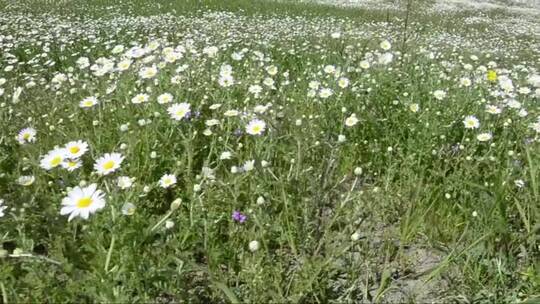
x=109, y=253
x=4, y=294
x=161, y=221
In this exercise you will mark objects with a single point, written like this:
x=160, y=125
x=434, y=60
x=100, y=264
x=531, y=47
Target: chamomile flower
x=248, y=165
x=414, y=107
x=72, y=164
x=76, y=149
x=26, y=135
x=124, y=182
x=128, y=209
x=226, y=81
x=364, y=64
x=140, y=98
x=491, y=109
x=26, y=180
x=167, y=181
x=343, y=82
x=123, y=65
x=351, y=120
x=108, y=163
x=255, y=127
x=330, y=69
x=484, y=136
x=225, y=155
x=471, y=122
x=53, y=159
x=148, y=72
x=81, y=202
x=165, y=98
x=231, y=113
x=466, y=82
x=325, y=93
x=439, y=94
x=179, y=111
x=88, y=102
x=385, y=45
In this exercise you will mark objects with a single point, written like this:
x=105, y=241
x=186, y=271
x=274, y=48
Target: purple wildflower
x=239, y=216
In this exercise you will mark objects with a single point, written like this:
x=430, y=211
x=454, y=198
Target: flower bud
x=254, y=246
x=176, y=204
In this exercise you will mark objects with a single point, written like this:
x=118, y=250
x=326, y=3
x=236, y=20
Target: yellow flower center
x=72, y=164
x=84, y=202
x=26, y=136
x=87, y=103
x=180, y=113
x=56, y=161
x=108, y=165
x=74, y=150
x=256, y=129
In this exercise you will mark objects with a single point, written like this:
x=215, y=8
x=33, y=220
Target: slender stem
x=109, y=253
x=161, y=221
x=4, y=294
x=39, y=257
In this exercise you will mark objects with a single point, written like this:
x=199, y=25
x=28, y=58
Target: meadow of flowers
x=268, y=152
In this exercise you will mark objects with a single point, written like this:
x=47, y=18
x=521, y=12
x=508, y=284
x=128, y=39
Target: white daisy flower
x=484, y=136
x=88, y=102
x=167, y=181
x=148, y=72
x=385, y=45
x=343, y=82
x=123, y=65
x=26, y=180
x=76, y=149
x=128, y=209
x=471, y=122
x=231, y=113
x=439, y=94
x=53, y=159
x=325, y=92
x=225, y=155
x=466, y=82
x=491, y=109
x=82, y=202
x=179, y=111
x=351, y=120
x=72, y=165
x=125, y=182
x=140, y=98
x=255, y=127
x=248, y=165
x=364, y=64
x=26, y=135
x=108, y=163
x=165, y=98
x=329, y=69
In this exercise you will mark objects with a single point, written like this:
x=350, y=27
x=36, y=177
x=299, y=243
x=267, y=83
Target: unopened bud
x=176, y=204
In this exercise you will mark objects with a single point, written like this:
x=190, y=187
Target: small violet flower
x=238, y=216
